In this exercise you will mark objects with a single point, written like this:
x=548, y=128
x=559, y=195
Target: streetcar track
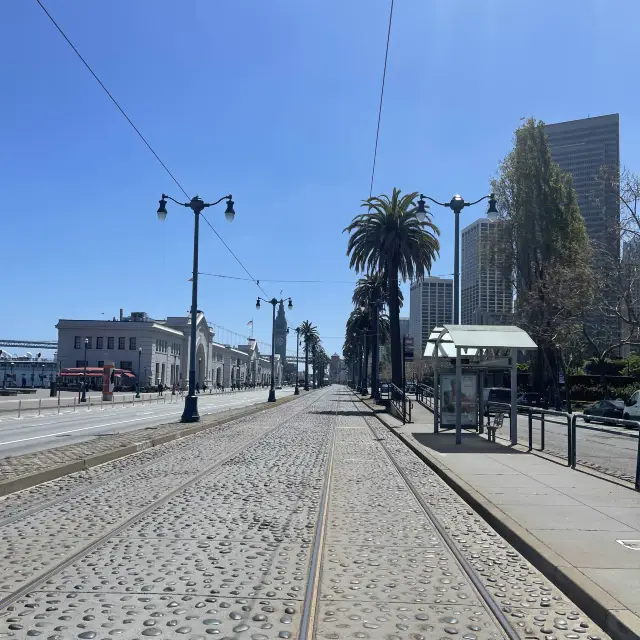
x=33, y=584
x=450, y=544
x=307, y=623
x=117, y=476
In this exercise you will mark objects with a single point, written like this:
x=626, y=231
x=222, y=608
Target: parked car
x=385, y=388
x=411, y=387
x=603, y=410
x=631, y=409
x=531, y=399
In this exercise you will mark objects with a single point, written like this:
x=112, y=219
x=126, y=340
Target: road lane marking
x=100, y=426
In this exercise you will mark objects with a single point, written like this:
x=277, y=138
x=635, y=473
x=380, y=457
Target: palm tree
x=315, y=342
x=371, y=293
x=390, y=240
x=309, y=333
x=359, y=323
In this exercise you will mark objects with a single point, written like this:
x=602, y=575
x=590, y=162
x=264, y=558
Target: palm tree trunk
x=374, y=354
x=365, y=386
x=394, y=323
x=306, y=365
x=313, y=364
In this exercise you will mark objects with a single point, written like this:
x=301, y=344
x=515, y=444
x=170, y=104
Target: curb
x=53, y=473
x=611, y=615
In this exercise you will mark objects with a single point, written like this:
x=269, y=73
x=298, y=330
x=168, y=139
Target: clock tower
x=281, y=335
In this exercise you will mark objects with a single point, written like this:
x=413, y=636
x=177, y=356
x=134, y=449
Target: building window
x=99, y=343
x=101, y=363
x=132, y=344
x=126, y=365
x=81, y=363
x=88, y=342
x=77, y=340
x=110, y=343
x=121, y=343
x=157, y=372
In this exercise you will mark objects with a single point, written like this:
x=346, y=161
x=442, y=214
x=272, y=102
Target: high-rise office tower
x=430, y=305
x=582, y=148
x=486, y=295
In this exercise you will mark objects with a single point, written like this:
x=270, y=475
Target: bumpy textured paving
x=230, y=555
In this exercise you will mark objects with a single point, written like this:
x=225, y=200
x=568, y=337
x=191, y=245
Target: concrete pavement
x=307, y=521
x=32, y=432
x=582, y=531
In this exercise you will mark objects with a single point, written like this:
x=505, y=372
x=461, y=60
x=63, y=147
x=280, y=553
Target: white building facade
x=486, y=296
x=430, y=305
x=157, y=351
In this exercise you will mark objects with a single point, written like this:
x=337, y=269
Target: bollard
x=572, y=441
x=74, y=403
x=542, y=432
x=39, y=405
x=530, y=429
x=19, y=407
x=89, y=403
x=102, y=402
x=59, y=394
x=638, y=465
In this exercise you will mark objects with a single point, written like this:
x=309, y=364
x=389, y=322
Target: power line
x=384, y=75
x=91, y=71
x=157, y=157
x=351, y=282
x=257, y=283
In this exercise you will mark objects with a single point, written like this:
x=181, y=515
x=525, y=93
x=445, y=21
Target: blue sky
x=276, y=103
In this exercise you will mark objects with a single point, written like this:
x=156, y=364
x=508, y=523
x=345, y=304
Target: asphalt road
x=32, y=432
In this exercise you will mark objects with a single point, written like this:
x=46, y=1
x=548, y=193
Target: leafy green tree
x=389, y=240
x=543, y=248
x=309, y=335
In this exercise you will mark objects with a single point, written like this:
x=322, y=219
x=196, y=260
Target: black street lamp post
x=457, y=204
x=139, y=372
x=296, y=391
x=84, y=382
x=196, y=204
x=273, y=302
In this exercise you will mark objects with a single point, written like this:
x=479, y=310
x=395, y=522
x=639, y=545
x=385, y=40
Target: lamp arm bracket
x=212, y=204
x=442, y=204
x=468, y=204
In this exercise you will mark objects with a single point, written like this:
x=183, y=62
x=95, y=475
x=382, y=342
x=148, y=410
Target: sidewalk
x=581, y=531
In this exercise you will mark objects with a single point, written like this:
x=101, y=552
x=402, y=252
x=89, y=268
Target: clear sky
x=275, y=102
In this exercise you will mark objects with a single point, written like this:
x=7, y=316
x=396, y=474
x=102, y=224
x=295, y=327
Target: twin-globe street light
x=197, y=205
x=457, y=204
x=273, y=302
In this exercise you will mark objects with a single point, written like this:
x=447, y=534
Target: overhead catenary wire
x=384, y=76
x=128, y=119
x=351, y=282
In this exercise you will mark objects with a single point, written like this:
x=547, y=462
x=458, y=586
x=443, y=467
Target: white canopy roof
x=471, y=338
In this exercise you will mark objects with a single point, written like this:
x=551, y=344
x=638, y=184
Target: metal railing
x=400, y=402
x=424, y=396
x=569, y=421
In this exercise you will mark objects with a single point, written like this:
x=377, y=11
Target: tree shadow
x=343, y=413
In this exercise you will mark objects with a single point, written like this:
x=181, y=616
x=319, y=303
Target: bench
x=498, y=418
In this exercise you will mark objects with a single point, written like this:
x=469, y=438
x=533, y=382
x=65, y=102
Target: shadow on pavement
x=471, y=443
x=343, y=413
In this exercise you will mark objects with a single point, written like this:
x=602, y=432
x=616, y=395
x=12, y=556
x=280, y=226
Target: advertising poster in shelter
x=468, y=400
